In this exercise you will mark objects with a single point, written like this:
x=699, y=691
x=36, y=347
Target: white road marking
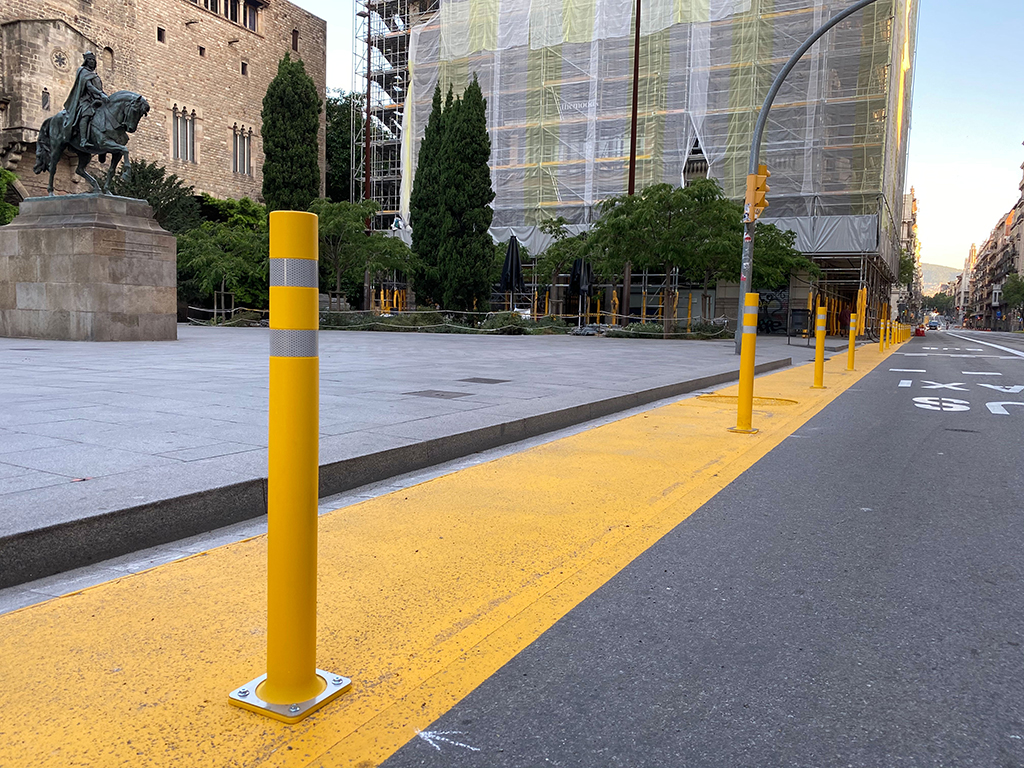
x=942, y=404
x=1014, y=390
x=908, y=370
x=1013, y=352
x=980, y=373
x=906, y=383
x=999, y=409
x=929, y=347
x=975, y=349
x=957, y=387
x=432, y=737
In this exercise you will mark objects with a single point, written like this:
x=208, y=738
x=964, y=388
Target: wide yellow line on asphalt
x=424, y=593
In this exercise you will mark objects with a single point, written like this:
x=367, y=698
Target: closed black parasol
x=512, y=269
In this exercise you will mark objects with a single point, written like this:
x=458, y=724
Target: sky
x=968, y=115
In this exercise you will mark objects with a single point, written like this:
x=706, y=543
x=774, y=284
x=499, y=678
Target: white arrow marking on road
x=942, y=404
x=979, y=373
x=904, y=383
x=957, y=387
x=1015, y=390
x=908, y=370
x=432, y=737
x=999, y=409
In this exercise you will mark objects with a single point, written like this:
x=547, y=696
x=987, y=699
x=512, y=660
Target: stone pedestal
x=87, y=268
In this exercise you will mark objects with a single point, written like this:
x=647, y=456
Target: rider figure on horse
x=85, y=97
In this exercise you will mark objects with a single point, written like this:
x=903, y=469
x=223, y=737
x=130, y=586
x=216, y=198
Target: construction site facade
x=558, y=79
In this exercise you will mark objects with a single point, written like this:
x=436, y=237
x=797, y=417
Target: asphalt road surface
x=854, y=599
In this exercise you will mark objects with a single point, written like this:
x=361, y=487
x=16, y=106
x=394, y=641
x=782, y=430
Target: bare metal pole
x=627, y=277
x=749, y=223
x=367, y=299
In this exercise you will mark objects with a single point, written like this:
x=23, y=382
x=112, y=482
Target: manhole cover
x=478, y=380
x=439, y=394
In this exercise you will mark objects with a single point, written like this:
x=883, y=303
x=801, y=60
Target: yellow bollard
x=689, y=311
x=853, y=342
x=292, y=687
x=643, y=309
x=748, y=348
x=881, y=335
x=819, y=348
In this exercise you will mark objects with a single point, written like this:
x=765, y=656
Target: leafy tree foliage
x=1013, y=291
x=291, y=120
x=695, y=229
x=425, y=211
x=346, y=253
x=339, y=109
x=7, y=211
x=230, y=253
x=907, y=268
x=940, y=302
x=466, y=248
x=776, y=257
x=174, y=204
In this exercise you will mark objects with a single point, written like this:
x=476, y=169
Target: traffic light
x=757, y=191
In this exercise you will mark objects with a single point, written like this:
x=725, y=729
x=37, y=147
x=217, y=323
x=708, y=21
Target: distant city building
x=995, y=260
x=558, y=79
x=203, y=65
x=908, y=297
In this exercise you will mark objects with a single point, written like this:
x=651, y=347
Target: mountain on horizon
x=934, y=275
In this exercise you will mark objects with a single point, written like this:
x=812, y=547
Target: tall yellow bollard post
x=748, y=349
x=689, y=312
x=292, y=687
x=819, y=348
x=881, y=335
x=853, y=342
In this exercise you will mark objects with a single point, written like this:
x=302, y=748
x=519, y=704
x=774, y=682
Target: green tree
x=425, y=212
x=173, y=202
x=291, y=121
x=7, y=211
x=230, y=253
x=1013, y=291
x=466, y=249
x=339, y=110
x=694, y=228
x=776, y=257
x=907, y=268
x=940, y=303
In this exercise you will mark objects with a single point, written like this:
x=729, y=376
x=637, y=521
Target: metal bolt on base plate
x=245, y=697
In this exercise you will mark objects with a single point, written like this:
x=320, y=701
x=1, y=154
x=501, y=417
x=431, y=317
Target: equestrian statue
x=91, y=123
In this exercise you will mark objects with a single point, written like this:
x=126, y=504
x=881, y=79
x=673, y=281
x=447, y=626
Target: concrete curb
x=54, y=549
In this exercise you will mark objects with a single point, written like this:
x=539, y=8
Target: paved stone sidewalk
x=91, y=432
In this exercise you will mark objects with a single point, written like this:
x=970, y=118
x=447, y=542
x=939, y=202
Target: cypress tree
x=425, y=204
x=467, y=251
x=291, y=122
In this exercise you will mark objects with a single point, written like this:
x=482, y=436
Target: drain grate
x=439, y=394
x=477, y=380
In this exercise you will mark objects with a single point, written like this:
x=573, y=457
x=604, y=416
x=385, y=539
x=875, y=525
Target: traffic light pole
x=750, y=217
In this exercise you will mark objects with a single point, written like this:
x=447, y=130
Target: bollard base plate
x=245, y=697
x=739, y=431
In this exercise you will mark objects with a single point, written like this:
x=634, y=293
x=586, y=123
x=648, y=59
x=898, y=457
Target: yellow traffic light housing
x=757, y=190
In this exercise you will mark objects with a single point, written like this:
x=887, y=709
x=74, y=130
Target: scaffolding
x=381, y=73
x=557, y=77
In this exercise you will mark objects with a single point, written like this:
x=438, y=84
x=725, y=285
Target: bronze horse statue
x=115, y=118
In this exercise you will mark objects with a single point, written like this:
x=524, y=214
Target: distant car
x=933, y=326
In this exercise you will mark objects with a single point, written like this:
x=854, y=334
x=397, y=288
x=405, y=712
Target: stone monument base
x=87, y=268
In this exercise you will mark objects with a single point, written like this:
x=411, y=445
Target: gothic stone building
x=203, y=65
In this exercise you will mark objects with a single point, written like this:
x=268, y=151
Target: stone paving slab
x=109, y=448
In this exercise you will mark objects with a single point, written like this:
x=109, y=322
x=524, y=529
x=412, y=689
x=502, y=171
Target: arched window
x=108, y=61
x=241, y=150
x=183, y=134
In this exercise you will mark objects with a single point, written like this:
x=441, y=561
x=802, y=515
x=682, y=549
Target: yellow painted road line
x=424, y=594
